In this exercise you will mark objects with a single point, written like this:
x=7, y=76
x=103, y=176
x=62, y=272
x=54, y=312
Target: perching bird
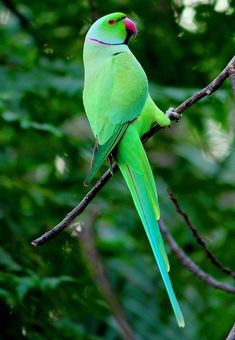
x=120, y=110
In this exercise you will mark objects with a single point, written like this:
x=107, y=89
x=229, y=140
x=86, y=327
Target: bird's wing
x=115, y=98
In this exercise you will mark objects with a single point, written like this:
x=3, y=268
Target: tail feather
x=139, y=178
x=152, y=192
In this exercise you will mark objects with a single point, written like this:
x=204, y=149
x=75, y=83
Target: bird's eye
x=111, y=22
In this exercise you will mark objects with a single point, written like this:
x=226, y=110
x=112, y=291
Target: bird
x=120, y=111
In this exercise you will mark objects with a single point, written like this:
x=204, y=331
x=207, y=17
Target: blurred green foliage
x=45, y=148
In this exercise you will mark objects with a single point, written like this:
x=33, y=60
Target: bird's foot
x=173, y=115
x=110, y=163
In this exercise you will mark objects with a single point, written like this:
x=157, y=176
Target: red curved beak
x=130, y=26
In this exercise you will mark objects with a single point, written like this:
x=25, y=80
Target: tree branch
x=199, y=239
x=228, y=71
x=190, y=265
x=232, y=76
x=91, y=254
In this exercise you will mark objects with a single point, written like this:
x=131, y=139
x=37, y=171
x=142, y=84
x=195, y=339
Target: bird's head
x=112, y=29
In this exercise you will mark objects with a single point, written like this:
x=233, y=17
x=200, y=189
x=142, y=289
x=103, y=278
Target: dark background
x=45, y=148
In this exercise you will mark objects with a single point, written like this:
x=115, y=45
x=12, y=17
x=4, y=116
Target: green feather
x=101, y=152
x=115, y=107
x=113, y=98
x=138, y=176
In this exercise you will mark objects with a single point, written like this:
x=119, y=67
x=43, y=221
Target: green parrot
x=120, y=110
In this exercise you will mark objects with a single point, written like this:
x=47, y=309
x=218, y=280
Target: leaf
x=53, y=282
x=26, y=124
x=10, y=116
x=7, y=260
x=24, y=285
x=7, y=296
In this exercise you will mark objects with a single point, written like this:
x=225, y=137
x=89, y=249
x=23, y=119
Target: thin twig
x=231, y=335
x=91, y=254
x=232, y=76
x=213, y=86
x=198, y=237
x=190, y=265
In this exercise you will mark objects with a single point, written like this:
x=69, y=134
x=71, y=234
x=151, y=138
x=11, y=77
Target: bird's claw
x=173, y=115
x=110, y=163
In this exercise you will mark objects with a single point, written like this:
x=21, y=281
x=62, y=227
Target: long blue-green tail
x=137, y=173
